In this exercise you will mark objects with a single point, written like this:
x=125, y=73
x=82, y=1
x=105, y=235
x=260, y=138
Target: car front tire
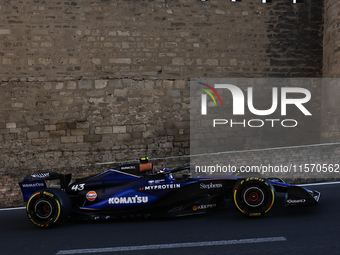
x=254, y=196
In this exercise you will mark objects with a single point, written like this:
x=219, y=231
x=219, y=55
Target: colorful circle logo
x=91, y=195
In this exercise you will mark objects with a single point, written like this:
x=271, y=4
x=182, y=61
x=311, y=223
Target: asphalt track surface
x=313, y=230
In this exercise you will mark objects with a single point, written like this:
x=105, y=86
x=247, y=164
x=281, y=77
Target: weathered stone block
x=55, y=103
x=233, y=62
x=83, y=125
x=178, y=62
x=85, y=84
x=71, y=85
x=219, y=12
x=44, y=134
x=37, y=128
x=61, y=126
x=72, y=125
x=100, y=84
x=50, y=127
x=6, y=61
x=32, y=135
x=103, y=130
x=166, y=145
x=45, y=61
x=121, y=137
x=11, y=125
x=121, y=92
x=149, y=134
x=79, y=132
x=123, y=33
x=5, y=31
x=92, y=138
x=95, y=93
x=211, y=62
x=80, y=138
x=58, y=133
x=67, y=100
x=15, y=130
x=116, y=83
x=48, y=86
x=168, y=84
x=17, y=105
x=180, y=84
x=4, y=131
x=39, y=142
x=8, y=136
x=118, y=129
x=126, y=61
x=138, y=128
x=127, y=82
x=174, y=93
x=136, y=135
x=68, y=139
x=59, y=85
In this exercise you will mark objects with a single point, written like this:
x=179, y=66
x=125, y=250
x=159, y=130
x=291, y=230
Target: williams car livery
x=136, y=189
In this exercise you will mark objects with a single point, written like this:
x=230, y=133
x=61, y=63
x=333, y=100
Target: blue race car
x=135, y=190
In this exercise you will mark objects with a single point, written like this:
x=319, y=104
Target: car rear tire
x=48, y=207
x=254, y=196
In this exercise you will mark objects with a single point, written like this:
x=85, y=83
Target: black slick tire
x=253, y=196
x=48, y=207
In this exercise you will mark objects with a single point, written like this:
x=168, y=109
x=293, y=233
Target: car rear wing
x=34, y=182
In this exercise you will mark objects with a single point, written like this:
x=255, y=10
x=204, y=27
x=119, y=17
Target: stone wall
x=331, y=42
x=84, y=82
x=331, y=64
x=176, y=39
x=50, y=124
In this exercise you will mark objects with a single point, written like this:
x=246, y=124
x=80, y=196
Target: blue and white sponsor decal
x=28, y=188
x=128, y=198
x=156, y=182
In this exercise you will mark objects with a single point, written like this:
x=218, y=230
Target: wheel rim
x=253, y=197
x=43, y=209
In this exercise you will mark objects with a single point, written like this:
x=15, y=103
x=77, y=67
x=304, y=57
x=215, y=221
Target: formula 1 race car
x=135, y=190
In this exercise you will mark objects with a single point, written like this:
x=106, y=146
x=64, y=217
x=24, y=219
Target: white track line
x=318, y=184
x=217, y=153
x=173, y=245
x=10, y=209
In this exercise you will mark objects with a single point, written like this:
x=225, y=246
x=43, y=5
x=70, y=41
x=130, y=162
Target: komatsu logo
x=37, y=184
x=129, y=200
